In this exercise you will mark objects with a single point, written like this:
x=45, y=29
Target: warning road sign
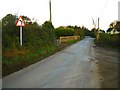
x=20, y=22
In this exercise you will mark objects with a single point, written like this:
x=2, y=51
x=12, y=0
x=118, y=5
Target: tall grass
x=17, y=59
x=110, y=41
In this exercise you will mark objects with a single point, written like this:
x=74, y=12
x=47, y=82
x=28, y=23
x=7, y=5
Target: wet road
x=70, y=68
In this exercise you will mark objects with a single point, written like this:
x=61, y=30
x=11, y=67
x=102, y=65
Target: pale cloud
x=64, y=12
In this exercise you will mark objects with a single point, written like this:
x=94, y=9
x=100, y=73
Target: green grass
x=12, y=63
x=72, y=41
x=17, y=59
x=109, y=41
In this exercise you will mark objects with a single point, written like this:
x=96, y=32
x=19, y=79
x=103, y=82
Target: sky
x=64, y=12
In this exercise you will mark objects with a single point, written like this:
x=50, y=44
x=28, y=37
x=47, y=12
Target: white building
x=114, y=28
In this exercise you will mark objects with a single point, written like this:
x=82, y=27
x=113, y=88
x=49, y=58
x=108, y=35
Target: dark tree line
x=34, y=35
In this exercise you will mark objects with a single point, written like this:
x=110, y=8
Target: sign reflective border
x=20, y=22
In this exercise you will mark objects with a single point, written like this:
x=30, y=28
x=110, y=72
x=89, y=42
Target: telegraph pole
x=119, y=11
x=98, y=22
x=50, y=11
x=97, y=36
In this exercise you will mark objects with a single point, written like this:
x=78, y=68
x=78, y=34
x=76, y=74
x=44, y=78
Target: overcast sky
x=64, y=12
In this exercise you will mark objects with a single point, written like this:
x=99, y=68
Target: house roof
x=109, y=29
x=118, y=29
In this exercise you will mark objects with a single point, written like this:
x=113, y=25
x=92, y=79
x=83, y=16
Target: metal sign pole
x=20, y=23
x=21, y=35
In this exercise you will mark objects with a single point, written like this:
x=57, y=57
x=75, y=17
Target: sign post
x=21, y=35
x=20, y=23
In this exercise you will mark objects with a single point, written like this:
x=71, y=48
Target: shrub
x=64, y=31
x=108, y=40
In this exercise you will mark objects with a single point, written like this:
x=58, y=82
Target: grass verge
x=72, y=41
x=17, y=59
x=14, y=60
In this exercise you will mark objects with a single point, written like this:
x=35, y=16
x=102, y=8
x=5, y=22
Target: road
x=72, y=67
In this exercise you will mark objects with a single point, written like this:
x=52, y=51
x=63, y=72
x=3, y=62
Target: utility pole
x=98, y=22
x=50, y=11
x=97, y=35
x=119, y=11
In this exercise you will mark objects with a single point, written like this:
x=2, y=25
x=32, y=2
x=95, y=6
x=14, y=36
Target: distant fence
x=68, y=38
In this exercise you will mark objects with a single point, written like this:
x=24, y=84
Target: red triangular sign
x=20, y=22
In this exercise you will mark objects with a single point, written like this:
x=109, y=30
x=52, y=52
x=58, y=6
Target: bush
x=108, y=40
x=34, y=35
x=49, y=32
x=38, y=42
x=64, y=31
x=82, y=33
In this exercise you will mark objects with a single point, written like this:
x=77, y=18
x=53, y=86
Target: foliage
x=34, y=35
x=93, y=33
x=64, y=31
x=102, y=31
x=108, y=40
x=82, y=32
x=0, y=29
x=38, y=41
x=70, y=31
x=49, y=32
x=0, y=24
x=72, y=41
x=15, y=60
x=9, y=32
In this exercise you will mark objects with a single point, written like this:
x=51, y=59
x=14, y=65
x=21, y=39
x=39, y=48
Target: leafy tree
x=77, y=30
x=27, y=20
x=0, y=29
x=111, y=25
x=34, y=35
x=102, y=31
x=9, y=31
x=8, y=24
x=117, y=26
x=49, y=32
x=71, y=27
x=64, y=31
x=93, y=32
x=108, y=40
x=82, y=32
x=0, y=24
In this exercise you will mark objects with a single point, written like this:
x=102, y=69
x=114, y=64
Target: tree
x=64, y=31
x=49, y=31
x=93, y=32
x=77, y=30
x=82, y=32
x=8, y=24
x=9, y=31
x=111, y=25
x=0, y=24
x=27, y=20
x=117, y=26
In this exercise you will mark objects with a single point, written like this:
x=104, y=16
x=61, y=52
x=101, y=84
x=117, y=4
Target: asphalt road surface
x=72, y=67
